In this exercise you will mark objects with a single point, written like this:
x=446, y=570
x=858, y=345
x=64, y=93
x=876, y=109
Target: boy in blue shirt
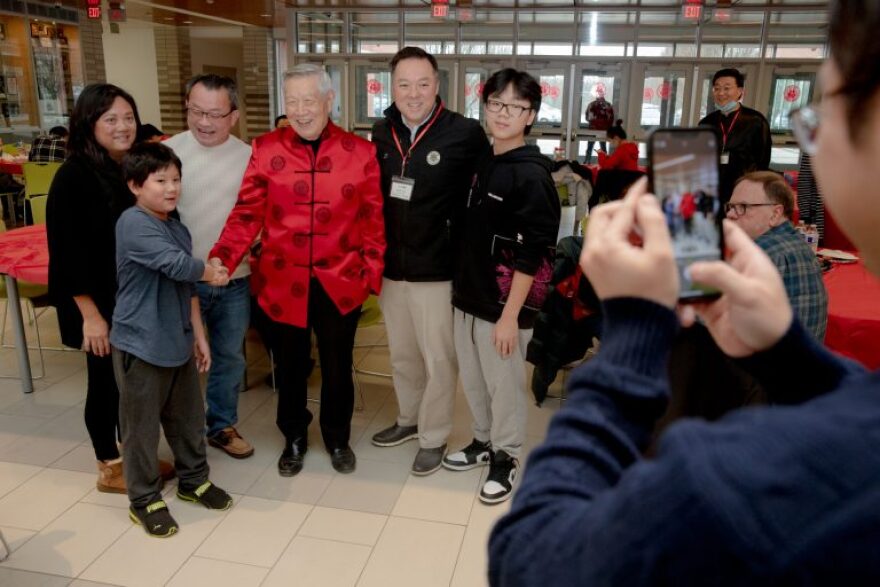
x=159, y=343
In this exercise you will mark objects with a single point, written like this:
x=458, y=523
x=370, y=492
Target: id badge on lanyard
x=402, y=188
x=725, y=154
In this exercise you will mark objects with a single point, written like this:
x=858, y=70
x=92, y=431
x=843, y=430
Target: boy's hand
x=203, y=354
x=753, y=312
x=96, y=336
x=216, y=274
x=505, y=336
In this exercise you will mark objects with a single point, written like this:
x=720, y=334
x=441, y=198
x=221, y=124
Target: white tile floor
x=380, y=526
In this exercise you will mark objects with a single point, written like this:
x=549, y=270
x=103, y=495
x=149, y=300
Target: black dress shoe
x=343, y=459
x=291, y=461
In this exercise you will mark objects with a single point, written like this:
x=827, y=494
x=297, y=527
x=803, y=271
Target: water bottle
x=812, y=237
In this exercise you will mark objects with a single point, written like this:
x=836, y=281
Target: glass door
x=592, y=81
x=336, y=69
x=551, y=129
x=665, y=97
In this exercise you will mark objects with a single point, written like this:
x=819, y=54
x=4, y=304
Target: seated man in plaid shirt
x=51, y=147
x=762, y=205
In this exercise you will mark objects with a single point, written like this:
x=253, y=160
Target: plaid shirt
x=47, y=149
x=801, y=275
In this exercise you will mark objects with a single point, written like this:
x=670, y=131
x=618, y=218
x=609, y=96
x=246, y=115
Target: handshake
x=216, y=273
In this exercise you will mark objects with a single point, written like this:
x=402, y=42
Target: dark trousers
x=335, y=334
x=590, y=144
x=102, y=407
x=149, y=396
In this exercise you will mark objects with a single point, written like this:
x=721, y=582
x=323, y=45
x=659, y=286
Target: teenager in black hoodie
x=501, y=279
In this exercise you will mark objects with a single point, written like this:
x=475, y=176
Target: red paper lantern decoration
x=664, y=90
x=374, y=86
x=792, y=93
x=648, y=94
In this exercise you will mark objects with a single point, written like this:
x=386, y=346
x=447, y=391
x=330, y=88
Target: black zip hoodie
x=512, y=199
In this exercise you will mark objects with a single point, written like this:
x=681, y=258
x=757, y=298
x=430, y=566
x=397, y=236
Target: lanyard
x=726, y=133
x=418, y=138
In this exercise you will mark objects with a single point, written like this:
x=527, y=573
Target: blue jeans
x=226, y=314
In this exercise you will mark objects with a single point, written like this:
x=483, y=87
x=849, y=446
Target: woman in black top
x=86, y=198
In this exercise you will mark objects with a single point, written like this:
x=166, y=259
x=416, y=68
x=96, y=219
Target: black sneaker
x=207, y=494
x=155, y=518
x=394, y=435
x=476, y=454
x=503, y=470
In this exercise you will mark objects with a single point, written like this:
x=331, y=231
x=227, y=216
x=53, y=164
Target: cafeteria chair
x=6, y=550
x=37, y=296
x=371, y=315
x=38, y=209
x=37, y=181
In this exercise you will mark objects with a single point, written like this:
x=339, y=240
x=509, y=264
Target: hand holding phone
x=684, y=175
x=618, y=263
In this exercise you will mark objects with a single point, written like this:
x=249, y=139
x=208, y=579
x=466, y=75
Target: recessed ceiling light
x=266, y=15
x=187, y=22
x=169, y=18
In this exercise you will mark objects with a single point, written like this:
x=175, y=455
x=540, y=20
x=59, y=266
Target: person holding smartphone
x=779, y=495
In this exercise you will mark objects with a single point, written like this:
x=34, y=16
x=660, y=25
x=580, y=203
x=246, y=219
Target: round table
x=854, y=313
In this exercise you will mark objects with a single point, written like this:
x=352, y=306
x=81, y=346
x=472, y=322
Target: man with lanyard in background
x=428, y=156
x=745, y=134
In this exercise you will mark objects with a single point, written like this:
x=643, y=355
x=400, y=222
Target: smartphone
x=683, y=173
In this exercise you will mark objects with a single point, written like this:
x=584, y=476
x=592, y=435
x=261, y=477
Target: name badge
x=725, y=158
x=402, y=188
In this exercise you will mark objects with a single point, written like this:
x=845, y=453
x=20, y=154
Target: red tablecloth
x=24, y=254
x=11, y=168
x=854, y=313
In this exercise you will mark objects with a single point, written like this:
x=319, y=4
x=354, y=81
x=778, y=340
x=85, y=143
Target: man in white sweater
x=213, y=166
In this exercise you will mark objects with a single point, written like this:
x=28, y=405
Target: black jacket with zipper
x=513, y=197
x=443, y=162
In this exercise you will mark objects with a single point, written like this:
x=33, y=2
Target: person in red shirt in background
x=626, y=153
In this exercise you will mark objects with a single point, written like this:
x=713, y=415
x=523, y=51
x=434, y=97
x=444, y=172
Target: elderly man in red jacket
x=313, y=191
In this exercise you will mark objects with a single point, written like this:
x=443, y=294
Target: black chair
x=611, y=184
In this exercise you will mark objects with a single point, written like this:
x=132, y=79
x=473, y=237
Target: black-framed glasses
x=198, y=114
x=514, y=110
x=805, y=126
x=740, y=209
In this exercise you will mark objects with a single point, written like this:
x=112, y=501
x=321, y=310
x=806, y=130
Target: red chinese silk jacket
x=319, y=215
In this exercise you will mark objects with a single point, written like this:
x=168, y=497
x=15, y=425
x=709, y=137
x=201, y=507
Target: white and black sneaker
x=503, y=471
x=476, y=454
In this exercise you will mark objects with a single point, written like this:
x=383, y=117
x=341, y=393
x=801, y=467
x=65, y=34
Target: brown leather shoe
x=110, y=479
x=231, y=442
x=166, y=470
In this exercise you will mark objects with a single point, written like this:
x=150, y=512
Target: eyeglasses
x=514, y=110
x=198, y=114
x=740, y=209
x=805, y=126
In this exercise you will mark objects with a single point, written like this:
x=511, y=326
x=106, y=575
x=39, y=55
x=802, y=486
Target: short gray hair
x=325, y=84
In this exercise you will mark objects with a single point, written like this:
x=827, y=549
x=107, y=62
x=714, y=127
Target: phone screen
x=684, y=175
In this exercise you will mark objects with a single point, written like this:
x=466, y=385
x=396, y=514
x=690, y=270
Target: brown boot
x=110, y=479
x=166, y=470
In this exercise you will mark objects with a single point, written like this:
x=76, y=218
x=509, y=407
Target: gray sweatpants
x=150, y=395
x=495, y=388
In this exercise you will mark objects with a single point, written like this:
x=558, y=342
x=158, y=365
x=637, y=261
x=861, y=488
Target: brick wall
x=257, y=81
x=174, y=66
x=92, y=45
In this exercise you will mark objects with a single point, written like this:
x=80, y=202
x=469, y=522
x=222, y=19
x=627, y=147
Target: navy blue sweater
x=781, y=495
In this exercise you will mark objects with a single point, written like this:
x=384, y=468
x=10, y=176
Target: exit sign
x=440, y=10
x=94, y=12
x=691, y=11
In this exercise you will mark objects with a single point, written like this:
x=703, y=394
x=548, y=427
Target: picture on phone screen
x=684, y=175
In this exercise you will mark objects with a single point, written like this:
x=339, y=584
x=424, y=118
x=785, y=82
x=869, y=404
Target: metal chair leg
x=6, y=551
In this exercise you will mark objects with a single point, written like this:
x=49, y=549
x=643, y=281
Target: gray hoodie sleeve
x=148, y=242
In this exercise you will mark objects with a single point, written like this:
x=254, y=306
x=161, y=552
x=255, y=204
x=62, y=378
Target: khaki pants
x=495, y=388
x=418, y=320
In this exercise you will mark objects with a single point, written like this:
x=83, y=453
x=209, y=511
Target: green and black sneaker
x=207, y=494
x=155, y=518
